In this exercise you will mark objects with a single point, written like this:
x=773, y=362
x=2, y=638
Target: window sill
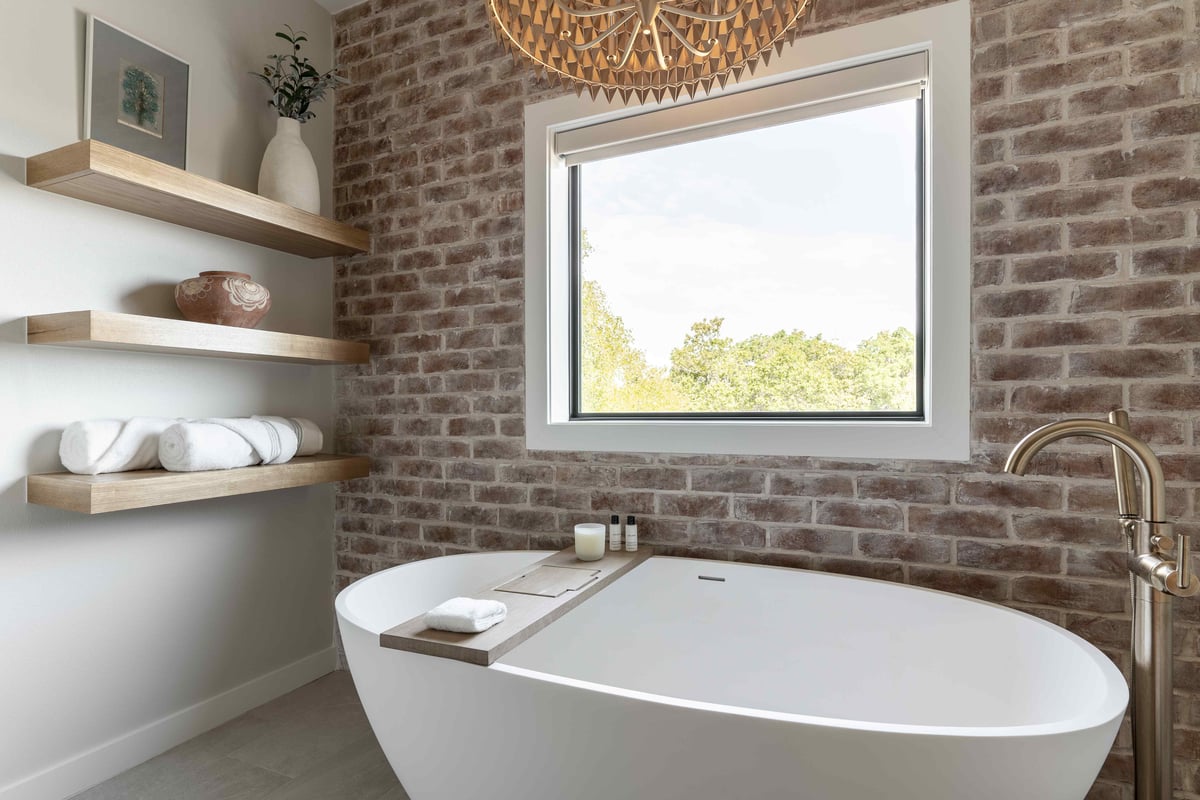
x=855, y=439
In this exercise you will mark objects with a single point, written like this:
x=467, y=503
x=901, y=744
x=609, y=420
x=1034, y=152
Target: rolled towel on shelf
x=309, y=436
x=208, y=444
x=464, y=615
x=95, y=446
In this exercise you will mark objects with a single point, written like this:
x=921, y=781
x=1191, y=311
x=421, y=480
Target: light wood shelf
x=120, y=491
x=100, y=173
x=106, y=330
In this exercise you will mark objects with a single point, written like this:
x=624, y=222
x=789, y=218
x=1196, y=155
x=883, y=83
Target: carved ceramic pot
x=223, y=298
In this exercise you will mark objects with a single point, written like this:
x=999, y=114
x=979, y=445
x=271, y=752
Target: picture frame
x=135, y=94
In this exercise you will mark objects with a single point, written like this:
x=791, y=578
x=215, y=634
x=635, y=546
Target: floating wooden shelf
x=120, y=491
x=534, y=601
x=106, y=330
x=100, y=173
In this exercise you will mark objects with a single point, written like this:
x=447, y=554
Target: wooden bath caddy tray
x=535, y=596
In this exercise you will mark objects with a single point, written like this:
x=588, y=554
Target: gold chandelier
x=645, y=48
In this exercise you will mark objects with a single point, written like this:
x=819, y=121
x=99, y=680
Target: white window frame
x=943, y=34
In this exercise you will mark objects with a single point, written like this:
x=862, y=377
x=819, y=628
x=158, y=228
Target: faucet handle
x=1178, y=579
x=1152, y=563
x=1182, y=582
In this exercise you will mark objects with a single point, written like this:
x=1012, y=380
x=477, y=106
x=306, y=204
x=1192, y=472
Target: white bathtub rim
x=1087, y=721
x=1111, y=709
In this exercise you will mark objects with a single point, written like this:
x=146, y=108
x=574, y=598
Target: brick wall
x=1087, y=189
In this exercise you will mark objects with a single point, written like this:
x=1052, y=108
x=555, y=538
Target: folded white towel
x=204, y=444
x=464, y=615
x=94, y=446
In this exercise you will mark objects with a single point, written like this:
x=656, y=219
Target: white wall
x=113, y=623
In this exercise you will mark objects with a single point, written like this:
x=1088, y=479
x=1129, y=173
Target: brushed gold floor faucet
x=1160, y=568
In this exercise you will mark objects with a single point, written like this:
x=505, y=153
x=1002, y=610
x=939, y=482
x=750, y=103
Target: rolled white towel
x=464, y=615
x=206, y=444
x=195, y=446
x=274, y=439
x=95, y=446
x=310, y=440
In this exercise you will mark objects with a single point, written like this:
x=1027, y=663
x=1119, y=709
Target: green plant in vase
x=288, y=172
x=294, y=82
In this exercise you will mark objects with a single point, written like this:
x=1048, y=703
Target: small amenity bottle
x=589, y=541
x=630, y=533
x=614, y=533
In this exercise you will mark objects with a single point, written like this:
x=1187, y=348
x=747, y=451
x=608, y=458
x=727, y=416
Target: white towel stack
x=92, y=447
x=464, y=615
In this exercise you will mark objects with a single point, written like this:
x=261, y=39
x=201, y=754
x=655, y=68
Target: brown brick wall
x=1087, y=296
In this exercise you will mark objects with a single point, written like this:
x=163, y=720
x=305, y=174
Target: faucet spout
x=1153, y=506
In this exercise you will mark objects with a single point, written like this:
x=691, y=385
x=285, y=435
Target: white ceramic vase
x=288, y=172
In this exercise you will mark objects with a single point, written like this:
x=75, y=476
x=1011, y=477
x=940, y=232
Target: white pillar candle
x=589, y=541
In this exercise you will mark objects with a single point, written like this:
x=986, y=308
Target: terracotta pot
x=223, y=298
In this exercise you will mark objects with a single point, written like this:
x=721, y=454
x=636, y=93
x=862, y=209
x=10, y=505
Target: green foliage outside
x=709, y=372
x=616, y=376
x=139, y=96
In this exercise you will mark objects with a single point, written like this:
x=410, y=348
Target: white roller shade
x=877, y=83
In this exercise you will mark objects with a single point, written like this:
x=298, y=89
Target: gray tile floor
x=311, y=744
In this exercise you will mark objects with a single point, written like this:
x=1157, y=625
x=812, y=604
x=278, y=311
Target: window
x=791, y=256
x=777, y=269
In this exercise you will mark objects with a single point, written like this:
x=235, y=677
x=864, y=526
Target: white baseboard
x=130, y=749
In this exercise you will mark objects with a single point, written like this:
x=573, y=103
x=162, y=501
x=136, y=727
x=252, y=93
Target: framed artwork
x=135, y=95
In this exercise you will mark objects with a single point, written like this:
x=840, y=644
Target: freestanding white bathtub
x=772, y=684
